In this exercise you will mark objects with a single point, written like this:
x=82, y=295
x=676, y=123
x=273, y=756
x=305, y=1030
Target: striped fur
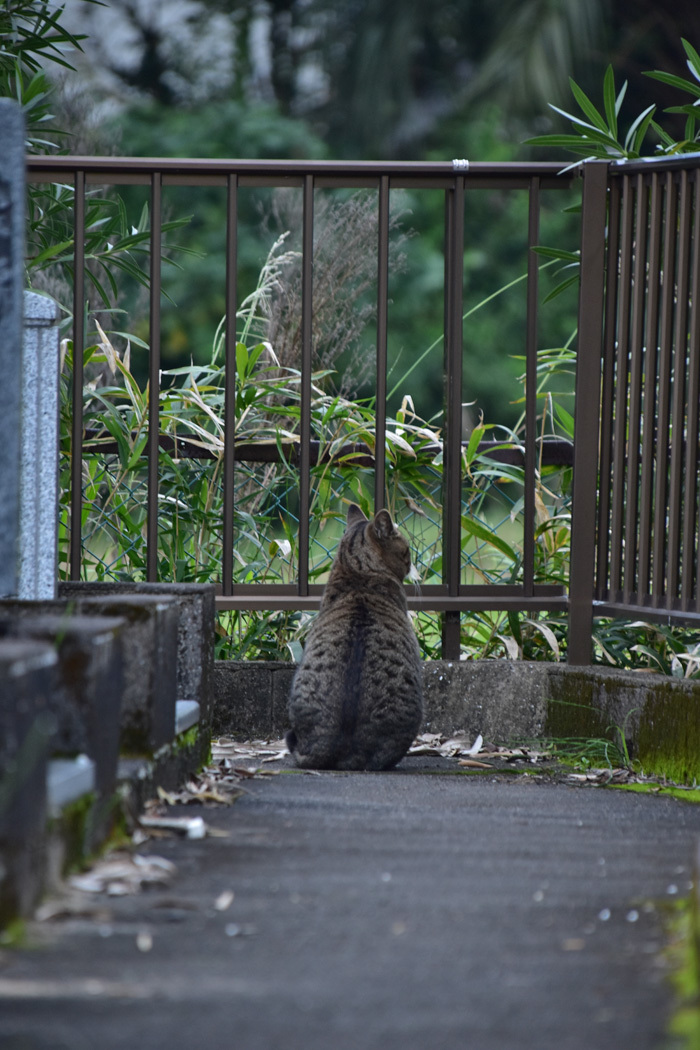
x=356, y=699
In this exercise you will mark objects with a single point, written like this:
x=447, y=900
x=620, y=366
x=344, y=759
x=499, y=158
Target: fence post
x=11, y=280
x=39, y=450
x=587, y=411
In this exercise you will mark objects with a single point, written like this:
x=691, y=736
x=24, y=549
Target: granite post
x=11, y=282
x=38, y=527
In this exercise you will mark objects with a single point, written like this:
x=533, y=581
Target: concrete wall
x=503, y=701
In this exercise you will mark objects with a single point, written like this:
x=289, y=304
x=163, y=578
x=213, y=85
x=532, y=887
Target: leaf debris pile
x=548, y=758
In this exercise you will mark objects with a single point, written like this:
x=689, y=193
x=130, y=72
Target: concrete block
x=186, y=715
x=195, y=635
x=87, y=699
x=26, y=679
x=282, y=675
x=149, y=646
x=500, y=699
x=243, y=704
x=67, y=780
x=150, y=666
x=11, y=283
x=38, y=528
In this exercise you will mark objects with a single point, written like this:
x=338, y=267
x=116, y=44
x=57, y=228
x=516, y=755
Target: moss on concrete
x=658, y=717
x=668, y=737
x=572, y=711
x=71, y=829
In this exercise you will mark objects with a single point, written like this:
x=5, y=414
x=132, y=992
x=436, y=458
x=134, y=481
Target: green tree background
x=363, y=79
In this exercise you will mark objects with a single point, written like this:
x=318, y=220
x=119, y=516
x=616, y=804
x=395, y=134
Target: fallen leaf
x=122, y=874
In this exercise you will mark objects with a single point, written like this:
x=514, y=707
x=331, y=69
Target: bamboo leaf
x=558, y=253
x=480, y=532
x=561, y=287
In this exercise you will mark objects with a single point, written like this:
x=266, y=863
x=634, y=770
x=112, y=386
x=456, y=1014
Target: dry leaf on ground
x=123, y=873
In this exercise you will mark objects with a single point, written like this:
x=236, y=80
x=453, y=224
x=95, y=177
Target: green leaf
x=557, y=253
x=50, y=253
x=570, y=142
x=673, y=81
x=591, y=130
x=665, y=138
x=480, y=532
x=565, y=418
x=609, y=100
x=474, y=441
x=561, y=287
x=137, y=452
x=638, y=130
x=693, y=58
x=241, y=361
x=115, y=426
x=587, y=107
x=514, y=624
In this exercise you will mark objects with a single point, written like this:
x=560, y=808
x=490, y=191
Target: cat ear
x=383, y=524
x=355, y=514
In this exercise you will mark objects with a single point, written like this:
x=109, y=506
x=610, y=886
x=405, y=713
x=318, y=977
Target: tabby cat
x=356, y=699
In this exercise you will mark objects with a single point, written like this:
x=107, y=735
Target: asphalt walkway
x=417, y=910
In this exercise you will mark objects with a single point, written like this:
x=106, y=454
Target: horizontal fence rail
x=456, y=181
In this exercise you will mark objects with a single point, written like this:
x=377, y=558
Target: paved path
x=400, y=911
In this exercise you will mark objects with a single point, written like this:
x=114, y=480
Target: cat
x=356, y=700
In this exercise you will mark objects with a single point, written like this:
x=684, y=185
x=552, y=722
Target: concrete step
x=85, y=681
x=195, y=621
x=68, y=780
x=26, y=672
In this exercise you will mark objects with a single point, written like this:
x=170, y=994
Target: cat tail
x=291, y=741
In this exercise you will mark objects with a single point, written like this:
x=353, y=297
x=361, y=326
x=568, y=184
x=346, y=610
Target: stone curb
x=658, y=717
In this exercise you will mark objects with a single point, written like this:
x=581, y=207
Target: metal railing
x=634, y=541
x=639, y=388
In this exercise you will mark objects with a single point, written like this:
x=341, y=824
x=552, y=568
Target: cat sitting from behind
x=356, y=699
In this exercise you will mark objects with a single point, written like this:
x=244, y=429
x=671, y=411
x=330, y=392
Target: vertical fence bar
x=230, y=381
x=634, y=405
x=676, y=486
x=452, y=436
x=76, y=495
x=607, y=396
x=154, y=381
x=651, y=335
x=620, y=449
x=587, y=410
x=668, y=269
x=531, y=390
x=305, y=393
x=382, y=318
x=689, y=576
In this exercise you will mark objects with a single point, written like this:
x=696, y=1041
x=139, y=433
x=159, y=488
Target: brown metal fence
x=634, y=547
x=640, y=319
